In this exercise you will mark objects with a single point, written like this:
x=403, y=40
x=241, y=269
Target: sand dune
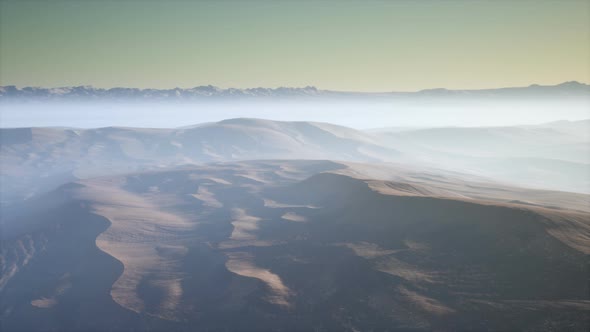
x=207, y=197
x=35, y=160
x=245, y=226
x=381, y=245
x=550, y=156
x=242, y=264
x=292, y=216
x=147, y=240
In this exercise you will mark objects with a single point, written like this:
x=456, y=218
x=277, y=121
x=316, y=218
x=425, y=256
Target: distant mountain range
x=11, y=92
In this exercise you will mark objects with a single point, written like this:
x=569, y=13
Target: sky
x=344, y=45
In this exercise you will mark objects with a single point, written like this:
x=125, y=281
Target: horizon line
x=90, y=86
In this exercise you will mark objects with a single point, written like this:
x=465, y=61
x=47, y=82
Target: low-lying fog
x=355, y=113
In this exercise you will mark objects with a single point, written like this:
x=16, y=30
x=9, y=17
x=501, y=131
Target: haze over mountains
x=88, y=107
x=563, y=90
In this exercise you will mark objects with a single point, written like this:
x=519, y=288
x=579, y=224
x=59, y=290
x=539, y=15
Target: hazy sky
x=339, y=45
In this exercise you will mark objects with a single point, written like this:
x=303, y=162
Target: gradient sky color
x=337, y=45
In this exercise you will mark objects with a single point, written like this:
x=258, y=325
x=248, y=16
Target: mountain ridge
x=565, y=89
x=517, y=155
